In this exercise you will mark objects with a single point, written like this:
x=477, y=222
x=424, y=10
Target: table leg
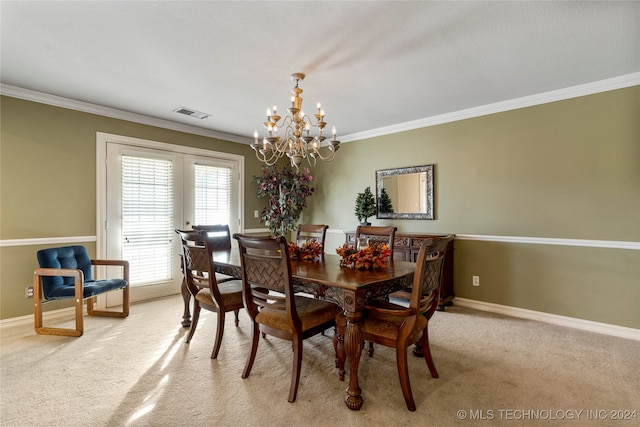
x=353, y=347
x=186, y=296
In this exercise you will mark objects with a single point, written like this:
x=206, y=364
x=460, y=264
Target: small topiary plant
x=365, y=205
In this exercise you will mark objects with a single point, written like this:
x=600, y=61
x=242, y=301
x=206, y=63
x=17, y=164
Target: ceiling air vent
x=192, y=113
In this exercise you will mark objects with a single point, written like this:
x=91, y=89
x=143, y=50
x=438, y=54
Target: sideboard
x=406, y=248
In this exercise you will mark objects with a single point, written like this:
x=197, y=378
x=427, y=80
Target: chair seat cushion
x=231, y=293
x=90, y=288
x=312, y=312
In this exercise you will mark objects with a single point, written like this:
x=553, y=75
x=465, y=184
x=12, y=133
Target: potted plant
x=365, y=206
x=287, y=190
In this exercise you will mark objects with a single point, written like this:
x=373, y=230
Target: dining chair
x=307, y=232
x=271, y=302
x=377, y=234
x=220, y=240
x=207, y=292
x=67, y=272
x=399, y=327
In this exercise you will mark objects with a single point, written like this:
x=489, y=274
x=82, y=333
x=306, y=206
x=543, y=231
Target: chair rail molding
x=46, y=241
x=611, y=244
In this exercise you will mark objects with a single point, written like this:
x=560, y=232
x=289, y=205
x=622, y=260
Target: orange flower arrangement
x=369, y=258
x=309, y=250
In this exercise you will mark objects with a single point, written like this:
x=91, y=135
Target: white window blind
x=147, y=218
x=212, y=187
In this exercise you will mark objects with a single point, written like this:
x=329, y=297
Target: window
x=212, y=199
x=147, y=218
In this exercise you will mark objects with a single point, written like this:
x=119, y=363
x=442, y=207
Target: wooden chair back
x=307, y=232
x=195, y=259
x=376, y=234
x=425, y=293
x=219, y=236
x=266, y=276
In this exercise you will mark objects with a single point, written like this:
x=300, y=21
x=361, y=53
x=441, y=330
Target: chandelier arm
x=327, y=158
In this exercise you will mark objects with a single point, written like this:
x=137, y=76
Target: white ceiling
x=372, y=64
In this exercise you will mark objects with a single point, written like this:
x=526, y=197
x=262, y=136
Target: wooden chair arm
x=114, y=262
x=121, y=262
x=63, y=272
x=78, y=277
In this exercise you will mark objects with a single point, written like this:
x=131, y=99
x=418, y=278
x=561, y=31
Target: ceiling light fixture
x=296, y=143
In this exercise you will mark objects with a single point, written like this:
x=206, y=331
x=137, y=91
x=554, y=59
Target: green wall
x=568, y=169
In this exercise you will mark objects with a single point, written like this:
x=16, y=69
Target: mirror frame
x=402, y=171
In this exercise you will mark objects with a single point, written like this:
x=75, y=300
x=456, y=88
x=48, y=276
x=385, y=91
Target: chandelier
x=296, y=143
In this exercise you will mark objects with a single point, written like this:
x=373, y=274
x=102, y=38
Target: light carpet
x=494, y=370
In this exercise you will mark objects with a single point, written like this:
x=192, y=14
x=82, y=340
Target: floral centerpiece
x=309, y=250
x=372, y=257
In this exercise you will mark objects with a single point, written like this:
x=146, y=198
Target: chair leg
x=297, y=366
x=236, y=312
x=109, y=313
x=194, y=320
x=370, y=349
x=427, y=353
x=255, y=338
x=219, y=334
x=39, y=297
x=403, y=374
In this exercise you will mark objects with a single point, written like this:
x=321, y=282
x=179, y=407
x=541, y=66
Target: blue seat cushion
x=77, y=258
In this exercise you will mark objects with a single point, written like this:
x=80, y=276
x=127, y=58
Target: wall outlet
x=476, y=280
x=256, y=214
x=28, y=292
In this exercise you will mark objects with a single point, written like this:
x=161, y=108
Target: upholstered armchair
x=67, y=272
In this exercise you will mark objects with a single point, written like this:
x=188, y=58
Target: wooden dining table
x=350, y=288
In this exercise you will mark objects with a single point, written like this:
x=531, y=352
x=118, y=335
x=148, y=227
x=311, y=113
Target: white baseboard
x=571, y=322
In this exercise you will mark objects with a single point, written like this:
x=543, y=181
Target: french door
x=152, y=189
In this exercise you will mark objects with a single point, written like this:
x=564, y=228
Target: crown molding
x=614, y=83
x=86, y=107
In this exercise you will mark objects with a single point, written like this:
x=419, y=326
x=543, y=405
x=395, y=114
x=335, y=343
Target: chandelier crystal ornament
x=296, y=143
